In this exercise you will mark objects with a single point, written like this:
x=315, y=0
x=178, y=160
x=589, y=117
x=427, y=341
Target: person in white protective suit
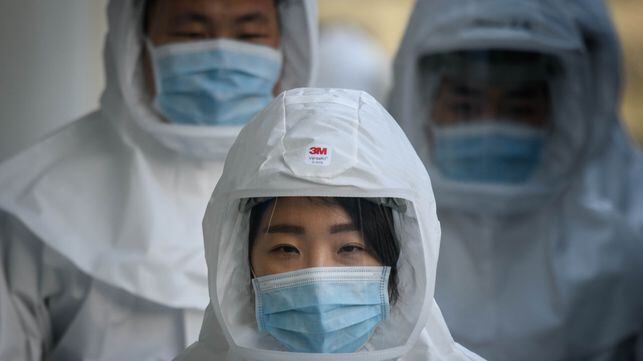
x=322, y=240
x=102, y=253
x=512, y=106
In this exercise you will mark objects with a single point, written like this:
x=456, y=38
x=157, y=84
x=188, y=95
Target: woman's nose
x=320, y=257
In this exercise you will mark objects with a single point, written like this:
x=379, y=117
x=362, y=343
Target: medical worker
x=512, y=106
x=322, y=240
x=100, y=222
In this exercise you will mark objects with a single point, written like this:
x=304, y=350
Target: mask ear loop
x=272, y=213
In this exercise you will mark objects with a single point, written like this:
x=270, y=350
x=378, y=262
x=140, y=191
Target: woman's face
x=303, y=232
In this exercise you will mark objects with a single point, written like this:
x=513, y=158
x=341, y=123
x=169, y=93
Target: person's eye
x=464, y=110
x=252, y=36
x=352, y=248
x=285, y=249
x=193, y=35
x=522, y=111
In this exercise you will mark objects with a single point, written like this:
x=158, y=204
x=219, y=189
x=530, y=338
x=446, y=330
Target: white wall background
x=50, y=66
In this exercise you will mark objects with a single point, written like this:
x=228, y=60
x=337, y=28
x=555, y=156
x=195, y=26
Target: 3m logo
x=318, y=154
x=318, y=151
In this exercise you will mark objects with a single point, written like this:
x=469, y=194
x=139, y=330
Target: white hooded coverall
x=100, y=223
x=551, y=269
x=368, y=156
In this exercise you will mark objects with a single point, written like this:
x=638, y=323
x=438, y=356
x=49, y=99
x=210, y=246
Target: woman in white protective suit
x=102, y=253
x=322, y=239
x=512, y=106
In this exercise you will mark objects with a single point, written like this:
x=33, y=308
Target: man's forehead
x=213, y=8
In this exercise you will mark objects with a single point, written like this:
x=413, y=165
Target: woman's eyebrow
x=284, y=228
x=343, y=227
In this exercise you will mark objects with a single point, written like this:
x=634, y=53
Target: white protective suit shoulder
x=368, y=156
x=58, y=313
x=119, y=194
x=550, y=270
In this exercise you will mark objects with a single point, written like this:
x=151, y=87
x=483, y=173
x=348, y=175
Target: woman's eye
x=286, y=249
x=351, y=248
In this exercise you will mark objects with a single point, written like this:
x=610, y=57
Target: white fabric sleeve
x=32, y=281
x=15, y=343
x=25, y=331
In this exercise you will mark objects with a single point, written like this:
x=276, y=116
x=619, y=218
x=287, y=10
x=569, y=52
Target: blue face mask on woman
x=214, y=82
x=488, y=152
x=324, y=309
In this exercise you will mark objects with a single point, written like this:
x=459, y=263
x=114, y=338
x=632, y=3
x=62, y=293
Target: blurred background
x=51, y=66
x=51, y=58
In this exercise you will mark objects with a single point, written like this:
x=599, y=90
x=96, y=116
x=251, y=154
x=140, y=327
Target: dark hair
x=374, y=220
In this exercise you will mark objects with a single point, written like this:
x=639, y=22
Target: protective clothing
x=113, y=204
x=216, y=82
x=551, y=268
x=368, y=156
x=12, y=337
x=322, y=309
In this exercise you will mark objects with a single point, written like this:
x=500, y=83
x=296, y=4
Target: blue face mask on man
x=214, y=82
x=323, y=309
x=487, y=152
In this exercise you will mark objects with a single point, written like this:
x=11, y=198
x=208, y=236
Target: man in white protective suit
x=294, y=281
x=512, y=106
x=100, y=223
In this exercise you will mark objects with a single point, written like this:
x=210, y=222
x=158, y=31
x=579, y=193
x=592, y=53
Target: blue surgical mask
x=488, y=152
x=324, y=309
x=214, y=82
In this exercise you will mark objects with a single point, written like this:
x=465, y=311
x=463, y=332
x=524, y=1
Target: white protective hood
x=369, y=156
x=612, y=152
x=439, y=26
x=547, y=271
x=122, y=194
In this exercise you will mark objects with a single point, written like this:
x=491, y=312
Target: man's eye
x=189, y=35
x=464, y=109
x=522, y=111
x=285, y=249
x=251, y=36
